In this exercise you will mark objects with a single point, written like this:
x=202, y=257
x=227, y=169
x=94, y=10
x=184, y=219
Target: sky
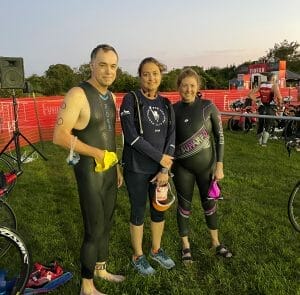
x=205, y=33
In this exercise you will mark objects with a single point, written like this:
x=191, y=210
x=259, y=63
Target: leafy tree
x=169, y=80
x=83, y=73
x=284, y=51
x=124, y=82
x=37, y=83
x=9, y=93
x=59, y=79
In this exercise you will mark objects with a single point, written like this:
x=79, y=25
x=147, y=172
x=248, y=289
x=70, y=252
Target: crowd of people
x=184, y=140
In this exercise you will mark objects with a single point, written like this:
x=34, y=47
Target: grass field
x=253, y=223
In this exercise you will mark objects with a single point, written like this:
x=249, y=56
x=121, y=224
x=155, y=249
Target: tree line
x=59, y=78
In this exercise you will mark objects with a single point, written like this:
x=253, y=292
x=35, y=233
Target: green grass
x=253, y=223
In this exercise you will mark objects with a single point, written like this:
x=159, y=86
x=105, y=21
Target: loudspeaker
x=11, y=72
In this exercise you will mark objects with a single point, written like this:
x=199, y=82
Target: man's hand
x=120, y=178
x=166, y=161
x=99, y=156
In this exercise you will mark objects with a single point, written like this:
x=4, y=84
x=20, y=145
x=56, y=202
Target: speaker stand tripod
x=16, y=140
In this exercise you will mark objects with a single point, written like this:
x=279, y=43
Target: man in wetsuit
x=270, y=97
x=86, y=124
x=199, y=153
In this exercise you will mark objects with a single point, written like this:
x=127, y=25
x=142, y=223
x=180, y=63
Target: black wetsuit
x=199, y=144
x=143, y=152
x=97, y=191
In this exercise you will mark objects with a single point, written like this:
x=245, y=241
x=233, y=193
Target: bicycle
x=294, y=199
x=241, y=123
x=8, y=177
x=7, y=219
x=16, y=261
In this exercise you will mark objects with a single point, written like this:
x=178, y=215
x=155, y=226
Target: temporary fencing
x=37, y=116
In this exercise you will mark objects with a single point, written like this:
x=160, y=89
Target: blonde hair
x=188, y=72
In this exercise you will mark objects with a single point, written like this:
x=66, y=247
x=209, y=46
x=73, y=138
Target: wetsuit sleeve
x=217, y=132
x=131, y=136
x=170, y=141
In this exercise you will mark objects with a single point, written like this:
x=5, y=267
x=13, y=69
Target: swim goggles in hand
x=214, y=191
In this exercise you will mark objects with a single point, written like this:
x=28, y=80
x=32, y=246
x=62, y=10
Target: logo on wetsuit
x=194, y=144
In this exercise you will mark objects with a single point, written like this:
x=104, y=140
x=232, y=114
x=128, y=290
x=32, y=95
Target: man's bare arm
x=69, y=117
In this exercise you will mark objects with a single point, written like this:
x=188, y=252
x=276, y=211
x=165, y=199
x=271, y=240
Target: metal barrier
x=230, y=114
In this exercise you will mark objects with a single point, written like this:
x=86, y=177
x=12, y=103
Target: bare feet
x=101, y=272
x=95, y=292
x=88, y=288
x=104, y=274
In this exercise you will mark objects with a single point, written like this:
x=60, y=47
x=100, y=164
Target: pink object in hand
x=214, y=191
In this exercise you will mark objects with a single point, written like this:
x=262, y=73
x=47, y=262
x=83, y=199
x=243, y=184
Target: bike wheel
x=7, y=219
x=248, y=125
x=294, y=207
x=8, y=177
x=290, y=130
x=16, y=262
x=231, y=124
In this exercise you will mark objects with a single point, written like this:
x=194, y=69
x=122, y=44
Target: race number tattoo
x=60, y=121
x=63, y=106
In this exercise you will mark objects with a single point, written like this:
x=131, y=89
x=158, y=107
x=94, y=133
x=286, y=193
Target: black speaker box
x=11, y=72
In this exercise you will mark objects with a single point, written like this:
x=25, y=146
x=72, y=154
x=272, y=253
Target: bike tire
x=290, y=130
x=7, y=169
x=7, y=219
x=294, y=207
x=17, y=261
x=231, y=125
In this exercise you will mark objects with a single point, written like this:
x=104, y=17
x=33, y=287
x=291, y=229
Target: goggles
x=214, y=191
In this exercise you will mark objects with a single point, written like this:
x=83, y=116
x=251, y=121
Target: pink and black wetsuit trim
x=199, y=144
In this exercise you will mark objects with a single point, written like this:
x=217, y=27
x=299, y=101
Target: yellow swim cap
x=110, y=159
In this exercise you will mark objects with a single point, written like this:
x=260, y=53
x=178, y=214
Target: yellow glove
x=110, y=159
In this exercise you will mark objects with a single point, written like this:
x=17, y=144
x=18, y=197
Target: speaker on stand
x=12, y=77
x=11, y=73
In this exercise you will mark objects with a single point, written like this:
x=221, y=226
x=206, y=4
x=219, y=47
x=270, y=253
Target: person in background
x=270, y=98
x=198, y=159
x=86, y=125
x=148, y=125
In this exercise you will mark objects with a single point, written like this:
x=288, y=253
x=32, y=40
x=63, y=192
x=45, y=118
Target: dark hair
x=188, y=72
x=162, y=67
x=105, y=48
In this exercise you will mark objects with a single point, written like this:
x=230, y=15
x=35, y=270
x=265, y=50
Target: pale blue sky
x=192, y=32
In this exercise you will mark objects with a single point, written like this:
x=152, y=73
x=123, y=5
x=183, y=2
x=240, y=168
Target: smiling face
x=188, y=89
x=104, y=68
x=150, y=77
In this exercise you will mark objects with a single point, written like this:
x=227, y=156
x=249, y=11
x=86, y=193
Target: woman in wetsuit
x=199, y=158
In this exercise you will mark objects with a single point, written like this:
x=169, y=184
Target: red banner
x=36, y=117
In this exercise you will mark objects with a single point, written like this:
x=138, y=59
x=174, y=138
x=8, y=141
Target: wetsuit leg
x=184, y=182
x=97, y=194
x=209, y=206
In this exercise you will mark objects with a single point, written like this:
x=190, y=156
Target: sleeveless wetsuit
x=199, y=144
x=97, y=191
